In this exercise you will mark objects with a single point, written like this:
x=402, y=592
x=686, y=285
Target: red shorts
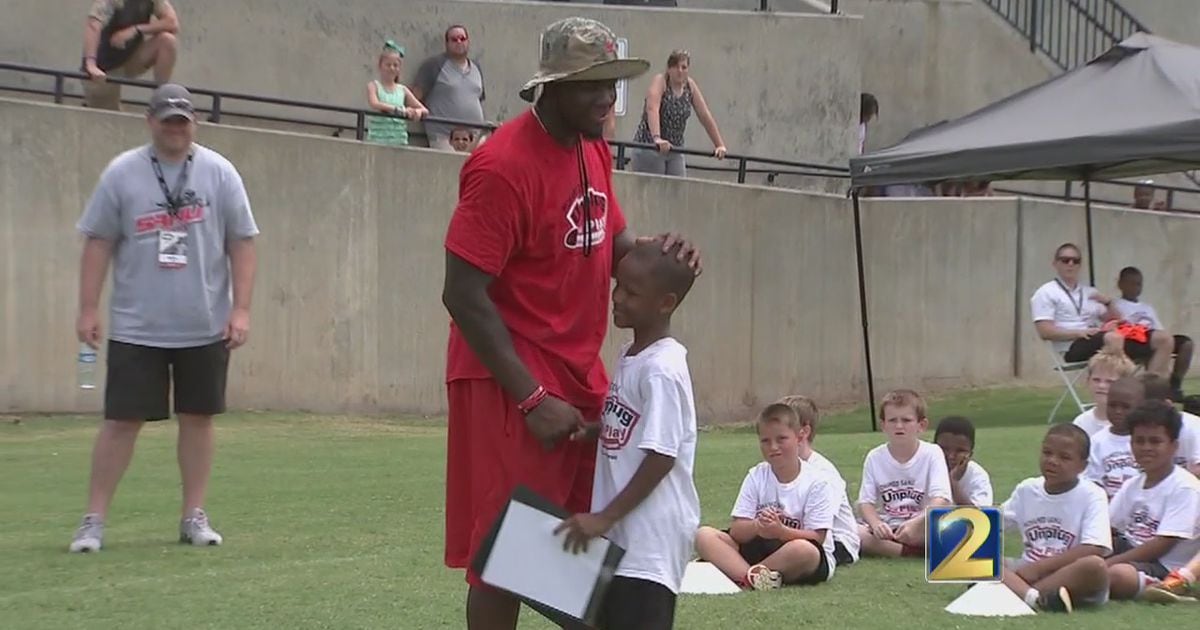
x=490, y=452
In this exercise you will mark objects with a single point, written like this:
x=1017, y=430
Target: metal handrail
x=1069, y=32
x=219, y=97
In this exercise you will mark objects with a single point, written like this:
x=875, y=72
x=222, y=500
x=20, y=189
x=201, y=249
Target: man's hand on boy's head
x=581, y=528
x=687, y=250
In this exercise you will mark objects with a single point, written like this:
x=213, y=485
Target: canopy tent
x=1134, y=110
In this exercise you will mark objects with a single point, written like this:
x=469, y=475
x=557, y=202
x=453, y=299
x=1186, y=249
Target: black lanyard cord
x=1071, y=296
x=587, y=200
x=174, y=202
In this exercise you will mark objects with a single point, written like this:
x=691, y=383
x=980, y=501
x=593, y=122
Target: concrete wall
x=347, y=315
x=780, y=85
x=1174, y=19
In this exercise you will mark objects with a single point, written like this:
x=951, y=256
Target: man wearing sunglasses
x=451, y=86
x=174, y=220
x=1080, y=321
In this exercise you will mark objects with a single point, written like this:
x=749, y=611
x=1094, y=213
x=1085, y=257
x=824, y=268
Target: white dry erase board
x=523, y=556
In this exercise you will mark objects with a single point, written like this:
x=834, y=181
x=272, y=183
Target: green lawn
x=337, y=523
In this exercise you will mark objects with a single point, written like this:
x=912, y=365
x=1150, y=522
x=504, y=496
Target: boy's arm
x=1035, y=571
x=1151, y=551
x=870, y=514
x=583, y=527
x=959, y=494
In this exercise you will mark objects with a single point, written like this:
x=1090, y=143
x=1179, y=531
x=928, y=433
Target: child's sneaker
x=90, y=535
x=1173, y=589
x=763, y=579
x=196, y=530
x=1056, y=602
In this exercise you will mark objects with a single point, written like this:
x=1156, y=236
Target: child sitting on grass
x=1064, y=526
x=900, y=479
x=1111, y=461
x=783, y=519
x=970, y=484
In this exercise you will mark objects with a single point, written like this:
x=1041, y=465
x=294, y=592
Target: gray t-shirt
x=450, y=92
x=157, y=301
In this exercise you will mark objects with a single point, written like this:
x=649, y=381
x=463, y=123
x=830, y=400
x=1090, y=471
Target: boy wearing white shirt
x=643, y=494
x=1188, y=453
x=900, y=479
x=1129, y=282
x=1156, y=515
x=783, y=518
x=1103, y=370
x=970, y=484
x=1064, y=526
x=1111, y=461
x=846, y=542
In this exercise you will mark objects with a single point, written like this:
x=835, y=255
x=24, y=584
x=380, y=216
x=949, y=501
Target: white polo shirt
x=1071, y=309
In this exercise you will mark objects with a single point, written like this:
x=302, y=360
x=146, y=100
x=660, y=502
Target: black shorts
x=636, y=603
x=1180, y=340
x=759, y=549
x=1083, y=349
x=139, y=381
x=1153, y=568
x=841, y=555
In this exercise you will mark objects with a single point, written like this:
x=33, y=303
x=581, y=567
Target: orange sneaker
x=1172, y=590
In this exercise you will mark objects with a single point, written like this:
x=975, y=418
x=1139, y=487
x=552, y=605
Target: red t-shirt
x=519, y=218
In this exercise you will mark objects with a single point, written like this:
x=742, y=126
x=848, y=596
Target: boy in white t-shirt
x=900, y=479
x=1156, y=515
x=1188, y=453
x=1111, y=460
x=782, y=529
x=643, y=494
x=846, y=542
x=1104, y=368
x=1129, y=282
x=1064, y=526
x=970, y=484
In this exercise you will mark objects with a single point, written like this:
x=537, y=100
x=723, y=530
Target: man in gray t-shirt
x=451, y=86
x=174, y=220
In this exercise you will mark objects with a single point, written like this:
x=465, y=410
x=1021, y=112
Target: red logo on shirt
x=575, y=220
x=160, y=220
x=619, y=421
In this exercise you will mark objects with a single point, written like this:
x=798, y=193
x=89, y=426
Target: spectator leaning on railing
x=451, y=86
x=386, y=94
x=124, y=39
x=668, y=105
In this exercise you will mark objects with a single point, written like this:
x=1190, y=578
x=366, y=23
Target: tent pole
x=862, y=304
x=1087, y=209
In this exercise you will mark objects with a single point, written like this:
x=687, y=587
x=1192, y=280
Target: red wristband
x=534, y=399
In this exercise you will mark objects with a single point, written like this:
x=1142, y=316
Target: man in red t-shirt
x=530, y=254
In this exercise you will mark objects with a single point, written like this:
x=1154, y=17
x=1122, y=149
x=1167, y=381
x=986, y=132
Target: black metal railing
x=219, y=100
x=1069, y=32
x=765, y=5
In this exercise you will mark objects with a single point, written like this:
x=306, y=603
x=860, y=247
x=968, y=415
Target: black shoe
x=1056, y=602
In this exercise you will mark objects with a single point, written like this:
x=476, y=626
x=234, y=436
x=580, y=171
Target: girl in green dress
x=386, y=94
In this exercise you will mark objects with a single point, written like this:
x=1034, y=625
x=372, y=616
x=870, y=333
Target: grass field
x=336, y=522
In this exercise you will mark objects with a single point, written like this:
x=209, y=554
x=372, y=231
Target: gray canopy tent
x=1134, y=110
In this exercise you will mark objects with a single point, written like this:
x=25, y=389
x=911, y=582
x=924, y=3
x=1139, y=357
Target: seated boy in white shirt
x=1104, y=368
x=1156, y=515
x=970, y=484
x=1064, y=526
x=782, y=529
x=900, y=479
x=846, y=543
x=1188, y=454
x=1111, y=461
x=1129, y=282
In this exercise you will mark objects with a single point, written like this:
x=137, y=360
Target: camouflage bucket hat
x=579, y=49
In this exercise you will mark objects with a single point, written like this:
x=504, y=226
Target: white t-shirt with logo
x=1111, y=461
x=1138, y=313
x=1169, y=509
x=1188, y=453
x=650, y=407
x=809, y=501
x=1090, y=423
x=1052, y=524
x=977, y=484
x=901, y=491
x=1069, y=309
x=845, y=528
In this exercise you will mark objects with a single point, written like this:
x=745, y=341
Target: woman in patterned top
x=668, y=106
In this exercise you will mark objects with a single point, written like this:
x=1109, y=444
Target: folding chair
x=1070, y=372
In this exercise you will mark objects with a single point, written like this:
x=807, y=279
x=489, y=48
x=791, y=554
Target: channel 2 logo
x=963, y=544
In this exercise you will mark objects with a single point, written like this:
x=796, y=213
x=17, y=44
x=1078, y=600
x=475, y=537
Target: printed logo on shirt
x=787, y=521
x=1118, y=467
x=1142, y=526
x=1047, y=539
x=619, y=422
x=191, y=212
x=576, y=237
x=901, y=498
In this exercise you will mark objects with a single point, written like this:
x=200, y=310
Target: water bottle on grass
x=87, y=367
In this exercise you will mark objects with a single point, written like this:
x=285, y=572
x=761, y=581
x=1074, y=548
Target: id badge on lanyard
x=173, y=242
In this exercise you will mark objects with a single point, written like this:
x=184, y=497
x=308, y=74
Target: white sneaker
x=195, y=530
x=90, y=535
x=763, y=579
